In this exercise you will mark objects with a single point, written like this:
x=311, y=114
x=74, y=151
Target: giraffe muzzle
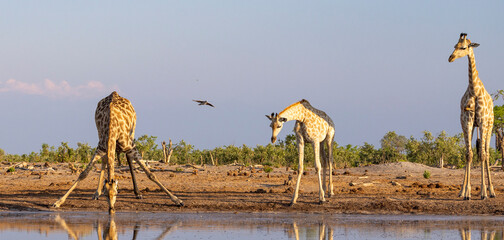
x=273, y=139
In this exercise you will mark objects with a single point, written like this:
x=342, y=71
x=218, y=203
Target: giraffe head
x=111, y=192
x=276, y=125
x=462, y=48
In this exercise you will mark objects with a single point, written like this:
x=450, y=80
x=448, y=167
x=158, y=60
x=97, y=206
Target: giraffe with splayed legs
x=476, y=109
x=115, y=120
x=312, y=126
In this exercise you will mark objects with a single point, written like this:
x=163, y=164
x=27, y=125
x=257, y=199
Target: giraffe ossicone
x=312, y=126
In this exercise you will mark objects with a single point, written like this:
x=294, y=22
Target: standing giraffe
x=115, y=121
x=313, y=126
x=476, y=112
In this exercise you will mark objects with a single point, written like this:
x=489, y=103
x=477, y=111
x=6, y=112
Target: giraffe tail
x=478, y=144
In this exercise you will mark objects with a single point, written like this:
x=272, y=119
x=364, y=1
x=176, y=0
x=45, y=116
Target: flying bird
x=201, y=102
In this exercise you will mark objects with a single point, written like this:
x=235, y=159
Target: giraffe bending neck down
x=115, y=120
x=476, y=111
x=313, y=126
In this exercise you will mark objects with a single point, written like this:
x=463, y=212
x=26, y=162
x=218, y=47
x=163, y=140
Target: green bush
x=268, y=169
x=426, y=174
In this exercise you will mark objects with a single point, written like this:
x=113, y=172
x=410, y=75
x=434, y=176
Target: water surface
x=130, y=225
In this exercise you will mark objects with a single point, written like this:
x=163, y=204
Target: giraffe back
x=115, y=120
x=316, y=125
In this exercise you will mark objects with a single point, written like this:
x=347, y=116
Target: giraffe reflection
x=108, y=230
x=465, y=234
x=324, y=231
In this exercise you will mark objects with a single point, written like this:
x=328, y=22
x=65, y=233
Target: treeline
x=393, y=148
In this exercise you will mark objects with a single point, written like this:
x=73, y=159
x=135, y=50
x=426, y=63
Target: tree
x=183, y=151
x=368, y=154
x=451, y=149
x=44, y=152
x=393, y=147
x=84, y=152
x=65, y=153
x=498, y=128
x=147, y=147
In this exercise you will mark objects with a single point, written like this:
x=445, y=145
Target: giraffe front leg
x=300, y=141
x=465, y=191
x=483, y=157
x=82, y=176
x=467, y=127
x=316, y=148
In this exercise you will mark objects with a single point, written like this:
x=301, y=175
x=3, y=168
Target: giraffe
x=476, y=112
x=312, y=126
x=115, y=120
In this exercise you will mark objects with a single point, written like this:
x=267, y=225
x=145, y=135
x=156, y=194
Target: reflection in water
x=486, y=234
x=91, y=225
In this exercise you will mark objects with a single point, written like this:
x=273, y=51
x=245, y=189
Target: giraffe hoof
x=492, y=196
x=322, y=202
x=138, y=197
x=467, y=198
x=181, y=204
x=484, y=197
x=291, y=204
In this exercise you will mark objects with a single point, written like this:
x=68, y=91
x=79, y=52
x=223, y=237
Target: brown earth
x=396, y=188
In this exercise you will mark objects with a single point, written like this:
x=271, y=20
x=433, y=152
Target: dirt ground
x=396, y=188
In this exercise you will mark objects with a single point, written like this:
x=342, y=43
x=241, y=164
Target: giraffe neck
x=475, y=84
x=295, y=111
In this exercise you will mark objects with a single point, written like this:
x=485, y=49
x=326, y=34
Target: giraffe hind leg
x=329, y=160
x=486, y=148
x=99, y=189
x=133, y=177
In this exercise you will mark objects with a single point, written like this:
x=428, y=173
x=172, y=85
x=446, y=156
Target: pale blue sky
x=373, y=66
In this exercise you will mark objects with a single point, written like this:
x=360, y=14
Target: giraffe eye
x=463, y=48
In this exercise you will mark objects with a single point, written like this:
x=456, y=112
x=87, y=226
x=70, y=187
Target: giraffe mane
x=302, y=102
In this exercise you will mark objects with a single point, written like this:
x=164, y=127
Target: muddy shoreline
x=396, y=188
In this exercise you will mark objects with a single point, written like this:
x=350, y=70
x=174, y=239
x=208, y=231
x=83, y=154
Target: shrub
x=268, y=169
x=11, y=169
x=426, y=174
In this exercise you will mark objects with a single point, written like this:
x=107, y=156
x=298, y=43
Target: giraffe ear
x=283, y=119
x=268, y=116
x=474, y=45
